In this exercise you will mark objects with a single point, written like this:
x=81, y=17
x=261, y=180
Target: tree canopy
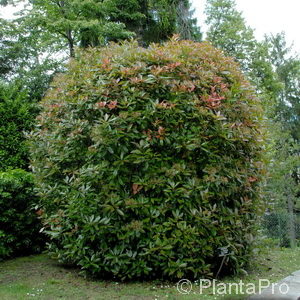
x=274, y=71
x=87, y=23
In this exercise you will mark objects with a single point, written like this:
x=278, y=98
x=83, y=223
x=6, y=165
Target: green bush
x=17, y=115
x=148, y=161
x=19, y=225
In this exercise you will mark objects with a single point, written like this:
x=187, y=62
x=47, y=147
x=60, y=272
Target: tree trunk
x=70, y=43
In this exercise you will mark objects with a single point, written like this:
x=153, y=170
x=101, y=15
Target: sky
x=264, y=16
x=8, y=11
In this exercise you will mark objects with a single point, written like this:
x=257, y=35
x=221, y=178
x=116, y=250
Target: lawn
x=40, y=277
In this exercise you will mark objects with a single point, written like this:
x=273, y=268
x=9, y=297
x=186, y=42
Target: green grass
x=40, y=277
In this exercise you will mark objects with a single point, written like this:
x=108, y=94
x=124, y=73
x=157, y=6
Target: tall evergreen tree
x=186, y=24
x=163, y=18
x=287, y=66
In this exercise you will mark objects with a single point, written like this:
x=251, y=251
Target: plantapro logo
x=185, y=287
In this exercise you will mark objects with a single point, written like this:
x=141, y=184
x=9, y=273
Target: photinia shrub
x=148, y=162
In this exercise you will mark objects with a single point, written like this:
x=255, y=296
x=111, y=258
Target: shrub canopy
x=148, y=161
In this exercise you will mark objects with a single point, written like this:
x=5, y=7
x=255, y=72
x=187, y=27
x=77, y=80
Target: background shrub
x=148, y=161
x=19, y=225
x=17, y=115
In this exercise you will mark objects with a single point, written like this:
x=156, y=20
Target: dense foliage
x=90, y=23
x=19, y=226
x=16, y=117
x=26, y=57
x=148, y=161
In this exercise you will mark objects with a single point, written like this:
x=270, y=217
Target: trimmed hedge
x=19, y=225
x=148, y=161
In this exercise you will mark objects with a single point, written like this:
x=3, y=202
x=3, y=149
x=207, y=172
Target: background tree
x=287, y=110
x=287, y=66
x=186, y=24
x=76, y=22
x=160, y=19
x=96, y=22
x=228, y=31
x=275, y=74
x=27, y=57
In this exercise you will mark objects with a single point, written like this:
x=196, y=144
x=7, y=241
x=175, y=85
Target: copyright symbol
x=184, y=286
